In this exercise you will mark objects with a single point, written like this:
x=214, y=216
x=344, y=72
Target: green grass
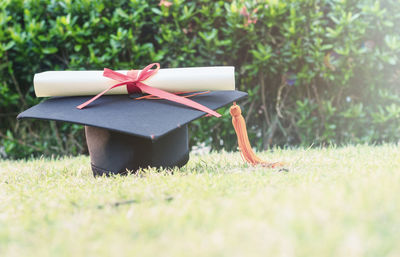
x=332, y=202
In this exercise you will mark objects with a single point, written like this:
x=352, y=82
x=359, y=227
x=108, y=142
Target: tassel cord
x=245, y=149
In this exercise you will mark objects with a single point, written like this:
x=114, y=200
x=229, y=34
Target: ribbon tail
x=81, y=106
x=178, y=99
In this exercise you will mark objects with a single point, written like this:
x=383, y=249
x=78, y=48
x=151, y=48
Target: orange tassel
x=243, y=140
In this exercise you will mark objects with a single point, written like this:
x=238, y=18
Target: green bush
x=316, y=72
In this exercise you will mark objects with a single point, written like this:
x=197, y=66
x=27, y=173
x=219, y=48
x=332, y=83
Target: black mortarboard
x=126, y=134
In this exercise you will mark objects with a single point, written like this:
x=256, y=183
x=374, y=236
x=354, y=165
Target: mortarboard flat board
x=124, y=134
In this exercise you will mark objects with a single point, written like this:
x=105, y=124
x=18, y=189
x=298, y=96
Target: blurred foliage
x=317, y=71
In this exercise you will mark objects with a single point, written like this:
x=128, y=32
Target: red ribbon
x=133, y=81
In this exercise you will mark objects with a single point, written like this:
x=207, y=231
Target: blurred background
x=317, y=71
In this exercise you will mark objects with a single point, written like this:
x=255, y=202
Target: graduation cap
x=125, y=133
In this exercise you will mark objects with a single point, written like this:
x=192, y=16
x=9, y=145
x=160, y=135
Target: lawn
x=331, y=202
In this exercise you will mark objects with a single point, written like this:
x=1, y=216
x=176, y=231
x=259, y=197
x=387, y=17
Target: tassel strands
x=243, y=140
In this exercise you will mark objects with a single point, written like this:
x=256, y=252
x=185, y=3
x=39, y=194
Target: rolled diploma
x=74, y=83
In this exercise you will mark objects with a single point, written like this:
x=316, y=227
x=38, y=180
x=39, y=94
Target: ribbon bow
x=134, y=83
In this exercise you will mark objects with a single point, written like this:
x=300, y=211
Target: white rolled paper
x=75, y=83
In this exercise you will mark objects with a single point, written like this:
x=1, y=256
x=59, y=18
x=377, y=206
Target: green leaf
x=156, y=11
x=9, y=45
x=50, y=50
